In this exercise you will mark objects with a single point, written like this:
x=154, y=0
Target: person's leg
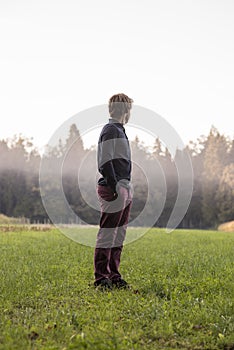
x=114, y=262
x=116, y=250
x=109, y=222
x=117, y=247
x=101, y=264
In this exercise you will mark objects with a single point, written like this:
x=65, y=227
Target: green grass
x=181, y=295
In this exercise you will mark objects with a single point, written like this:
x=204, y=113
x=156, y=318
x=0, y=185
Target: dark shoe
x=120, y=283
x=105, y=283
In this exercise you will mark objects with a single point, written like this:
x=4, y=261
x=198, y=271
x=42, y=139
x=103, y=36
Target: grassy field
x=181, y=294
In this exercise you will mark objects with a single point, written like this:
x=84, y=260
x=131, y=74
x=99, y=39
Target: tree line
x=212, y=200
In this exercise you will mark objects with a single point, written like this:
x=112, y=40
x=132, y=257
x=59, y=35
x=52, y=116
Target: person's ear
x=126, y=117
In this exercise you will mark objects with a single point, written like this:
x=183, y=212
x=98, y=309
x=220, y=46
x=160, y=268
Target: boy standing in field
x=114, y=193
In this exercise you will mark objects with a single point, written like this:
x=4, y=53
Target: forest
x=212, y=199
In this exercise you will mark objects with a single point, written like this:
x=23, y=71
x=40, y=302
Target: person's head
x=119, y=107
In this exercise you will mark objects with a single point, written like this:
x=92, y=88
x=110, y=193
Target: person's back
x=114, y=150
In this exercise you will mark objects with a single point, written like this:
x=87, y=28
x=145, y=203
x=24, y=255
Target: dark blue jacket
x=114, y=155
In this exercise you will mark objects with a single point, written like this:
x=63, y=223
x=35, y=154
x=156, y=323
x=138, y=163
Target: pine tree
x=225, y=195
x=157, y=148
x=215, y=159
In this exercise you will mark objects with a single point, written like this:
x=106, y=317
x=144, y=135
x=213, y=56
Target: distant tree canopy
x=213, y=193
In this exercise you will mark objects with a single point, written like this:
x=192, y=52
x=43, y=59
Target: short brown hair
x=119, y=105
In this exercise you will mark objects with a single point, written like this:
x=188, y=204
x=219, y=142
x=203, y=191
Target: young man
x=114, y=193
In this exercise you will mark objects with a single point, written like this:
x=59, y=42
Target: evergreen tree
x=215, y=159
x=225, y=195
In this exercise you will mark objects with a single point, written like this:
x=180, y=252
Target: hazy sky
x=60, y=57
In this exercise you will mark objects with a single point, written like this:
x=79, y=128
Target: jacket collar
x=112, y=120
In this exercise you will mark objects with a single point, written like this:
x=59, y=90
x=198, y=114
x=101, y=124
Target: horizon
x=145, y=139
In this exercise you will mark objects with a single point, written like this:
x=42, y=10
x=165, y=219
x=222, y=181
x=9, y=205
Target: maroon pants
x=112, y=231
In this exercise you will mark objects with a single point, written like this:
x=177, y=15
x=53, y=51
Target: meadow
x=181, y=294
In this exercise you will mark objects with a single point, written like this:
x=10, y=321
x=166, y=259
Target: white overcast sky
x=60, y=57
